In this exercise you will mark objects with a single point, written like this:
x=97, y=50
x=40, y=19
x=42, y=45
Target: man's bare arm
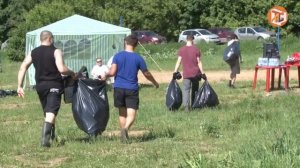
x=177, y=64
x=149, y=76
x=60, y=64
x=112, y=71
x=200, y=65
x=23, y=68
x=21, y=75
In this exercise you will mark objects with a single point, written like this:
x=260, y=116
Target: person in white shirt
x=109, y=62
x=99, y=70
x=111, y=80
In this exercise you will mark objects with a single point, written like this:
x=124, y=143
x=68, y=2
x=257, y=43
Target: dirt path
x=245, y=75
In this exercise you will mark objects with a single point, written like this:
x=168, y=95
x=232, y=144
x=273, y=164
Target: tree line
x=166, y=17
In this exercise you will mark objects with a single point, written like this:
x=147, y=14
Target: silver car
x=199, y=36
x=254, y=33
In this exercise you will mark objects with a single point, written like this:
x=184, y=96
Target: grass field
x=212, y=55
x=248, y=129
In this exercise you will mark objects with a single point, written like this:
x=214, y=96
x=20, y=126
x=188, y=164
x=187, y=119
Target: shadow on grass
x=145, y=85
x=89, y=138
x=244, y=86
x=86, y=139
x=152, y=135
x=134, y=136
x=294, y=88
x=61, y=141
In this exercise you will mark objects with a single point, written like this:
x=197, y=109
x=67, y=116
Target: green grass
x=247, y=129
x=212, y=55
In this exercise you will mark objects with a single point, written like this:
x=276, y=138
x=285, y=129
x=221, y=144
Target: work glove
x=176, y=75
x=203, y=76
x=198, y=76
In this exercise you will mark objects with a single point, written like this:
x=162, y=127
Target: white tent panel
x=81, y=39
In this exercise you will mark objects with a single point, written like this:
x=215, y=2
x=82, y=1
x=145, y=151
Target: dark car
x=147, y=36
x=223, y=33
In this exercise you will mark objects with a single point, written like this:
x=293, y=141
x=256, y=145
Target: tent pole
x=151, y=57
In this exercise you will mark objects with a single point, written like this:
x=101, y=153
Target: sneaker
x=124, y=135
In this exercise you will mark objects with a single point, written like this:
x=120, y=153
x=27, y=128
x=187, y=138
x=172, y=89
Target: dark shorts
x=50, y=99
x=235, y=67
x=126, y=98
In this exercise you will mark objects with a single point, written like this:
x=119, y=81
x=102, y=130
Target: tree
x=159, y=16
x=166, y=17
x=41, y=15
x=3, y=18
x=12, y=13
x=293, y=9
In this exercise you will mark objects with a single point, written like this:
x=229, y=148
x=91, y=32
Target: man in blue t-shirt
x=125, y=67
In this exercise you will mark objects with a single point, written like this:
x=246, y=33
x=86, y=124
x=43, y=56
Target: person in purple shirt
x=125, y=67
x=189, y=56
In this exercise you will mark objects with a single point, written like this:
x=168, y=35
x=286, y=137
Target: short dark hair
x=190, y=38
x=232, y=36
x=45, y=34
x=131, y=40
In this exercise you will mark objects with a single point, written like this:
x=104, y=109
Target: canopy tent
x=81, y=39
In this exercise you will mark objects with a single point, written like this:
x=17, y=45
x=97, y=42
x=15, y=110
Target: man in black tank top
x=49, y=66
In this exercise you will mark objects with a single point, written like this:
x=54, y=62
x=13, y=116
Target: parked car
x=254, y=33
x=223, y=33
x=199, y=36
x=147, y=36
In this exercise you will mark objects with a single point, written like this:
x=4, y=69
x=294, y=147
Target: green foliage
x=41, y=15
x=12, y=14
x=197, y=161
x=167, y=17
x=46, y=13
x=156, y=15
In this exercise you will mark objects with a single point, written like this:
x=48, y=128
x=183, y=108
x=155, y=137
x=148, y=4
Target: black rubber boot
x=46, y=134
x=53, y=132
x=229, y=83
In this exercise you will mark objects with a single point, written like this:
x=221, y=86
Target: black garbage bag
x=231, y=53
x=90, y=106
x=83, y=73
x=68, y=89
x=173, y=96
x=4, y=93
x=69, y=84
x=205, y=97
